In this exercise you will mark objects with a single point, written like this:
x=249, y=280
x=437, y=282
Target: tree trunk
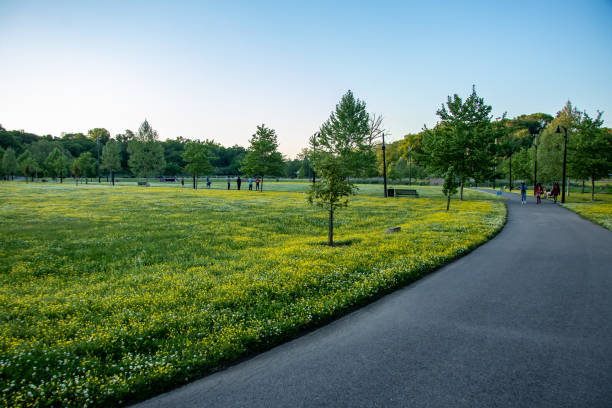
x=113, y=177
x=195, y=186
x=582, y=186
x=448, y=202
x=461, y=191
x=61, y=178
x=330, y=231
x=592, y=188
x=261, y=186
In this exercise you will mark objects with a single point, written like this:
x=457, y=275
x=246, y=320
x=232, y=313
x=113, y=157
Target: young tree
x=83, y=165
x=450, y=185
x=591, y=151
x=111, y=158
x=9, y=162
x=146, y=153
x=341, y=150
x=197, y=157
x=26, y=164
x=347, y=133
x=333, y=187
x=463, y=139
x=57, y=163
x=262, y=157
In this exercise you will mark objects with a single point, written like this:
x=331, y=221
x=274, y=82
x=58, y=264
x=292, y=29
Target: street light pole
x=410, y=166
x=564, y=160
x=384, y=165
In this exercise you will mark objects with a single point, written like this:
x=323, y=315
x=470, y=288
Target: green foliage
x=197, y=157
x=591, y=150
x=346, y=133
x=26, y=164
x=57, y=163
x=83, y=165
x=146, y=153
x=262, y=157
x=464, y=139
x=9, y=162
x=111, y=156
x=103, y=134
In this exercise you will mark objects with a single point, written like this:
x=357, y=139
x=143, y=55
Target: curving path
x=523, y=321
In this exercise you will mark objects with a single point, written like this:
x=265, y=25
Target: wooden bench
x=144, y=183
x=399, y=192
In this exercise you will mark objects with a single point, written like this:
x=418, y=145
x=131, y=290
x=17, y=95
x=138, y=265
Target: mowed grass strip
x=599, y=210
x=109, y=295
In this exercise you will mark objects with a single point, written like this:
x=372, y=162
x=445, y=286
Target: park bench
x=144, y=183
x=400, y=192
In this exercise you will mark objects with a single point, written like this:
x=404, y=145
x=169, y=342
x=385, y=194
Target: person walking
x=250, y=183
x=523, y=193
x=207, y=182
x=238, y=182
x=538, y=193
x=257, y=184
x=555, y=191
x=229, y=182
x=182, y=181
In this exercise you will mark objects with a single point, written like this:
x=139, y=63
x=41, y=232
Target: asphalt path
x=523, y=321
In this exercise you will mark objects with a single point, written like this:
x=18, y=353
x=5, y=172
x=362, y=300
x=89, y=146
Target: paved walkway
x=523, y=321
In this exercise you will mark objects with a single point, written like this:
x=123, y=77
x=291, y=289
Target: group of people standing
x=539, y=191
x=239, y=183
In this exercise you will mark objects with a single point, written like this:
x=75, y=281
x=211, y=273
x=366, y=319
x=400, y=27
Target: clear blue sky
x=217, y=69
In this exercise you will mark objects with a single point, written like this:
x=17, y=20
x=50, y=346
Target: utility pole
x=384, y=165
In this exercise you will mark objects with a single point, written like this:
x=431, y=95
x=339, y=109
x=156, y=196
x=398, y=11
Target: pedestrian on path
x=238, y=182
x=229, y=182
x=538, y=193
x=182, y=181
x=523, y=193
x=208, y=182
x=555, y=191
x=250, y=183
x=257, y=184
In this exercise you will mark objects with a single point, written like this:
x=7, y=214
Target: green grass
x=110, y=295
x=599, y=210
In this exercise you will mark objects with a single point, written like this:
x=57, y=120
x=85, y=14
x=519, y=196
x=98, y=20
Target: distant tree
x=102, y=133
x=550, y=146
x=523, y=164
x=464, y=139
x=146, y=153
x=262, y=157
x=9, y=162
x=450, y=185
x=197, y=157
x=83, y=166
x=591, y=151
x=57, y=164
x=111, y=158
x=399, y=169
x=305, y=170
x=347, y=133
x=27, y=165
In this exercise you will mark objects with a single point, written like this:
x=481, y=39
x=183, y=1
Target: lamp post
x=410, y=166
x=564, y=160
x=384, y=165
x=314, y=149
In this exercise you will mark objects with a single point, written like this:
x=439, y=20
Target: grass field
x=598, y=211
x=109, y=295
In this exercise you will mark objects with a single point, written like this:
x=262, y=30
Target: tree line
x=130, y=154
